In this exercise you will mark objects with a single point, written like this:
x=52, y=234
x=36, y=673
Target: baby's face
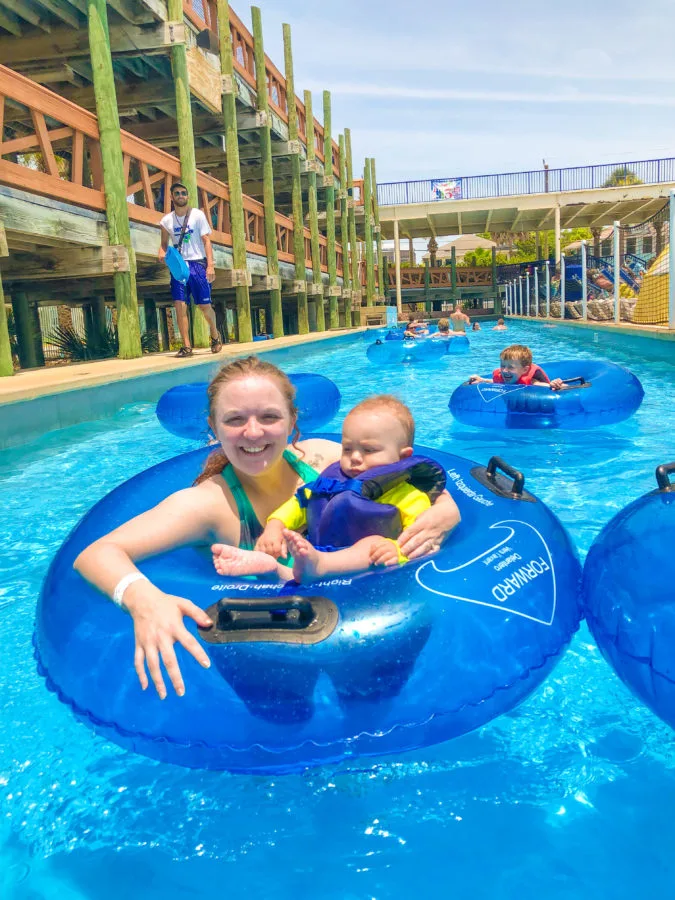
x=511, y=370
x=370, y=439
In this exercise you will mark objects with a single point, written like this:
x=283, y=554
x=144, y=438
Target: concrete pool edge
x=89, y=391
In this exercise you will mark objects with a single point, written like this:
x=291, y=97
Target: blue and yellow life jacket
x=342, y=510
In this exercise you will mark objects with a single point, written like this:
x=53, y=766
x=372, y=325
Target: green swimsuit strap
x=304, y=470
x=251, y=529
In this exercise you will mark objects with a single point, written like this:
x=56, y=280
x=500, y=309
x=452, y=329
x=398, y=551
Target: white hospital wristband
x=123, y=584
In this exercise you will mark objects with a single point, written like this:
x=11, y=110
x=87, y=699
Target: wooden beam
x=17, y=244
x=4, y=249
x=64, y=43
x=279, y=148
x=28, y=14
x=54, y=73
x=73, y=262
x=139, y=13
x=164, y=131
x=606, y=216
x=145, y=93
x=547, y=215
x=10, y=23
x=61, y=10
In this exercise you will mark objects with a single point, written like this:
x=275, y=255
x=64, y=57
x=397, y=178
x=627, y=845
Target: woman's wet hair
x=392, y=405
x=249, y=366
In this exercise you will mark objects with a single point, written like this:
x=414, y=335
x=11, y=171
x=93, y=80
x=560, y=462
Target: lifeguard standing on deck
x=189, y=230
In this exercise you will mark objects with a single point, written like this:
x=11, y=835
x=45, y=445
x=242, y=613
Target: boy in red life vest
x=516, y=367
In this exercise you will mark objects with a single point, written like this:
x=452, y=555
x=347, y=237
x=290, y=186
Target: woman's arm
x=188, y=516
x=430, y=529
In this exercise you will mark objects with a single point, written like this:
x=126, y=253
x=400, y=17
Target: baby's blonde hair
x=392, y=405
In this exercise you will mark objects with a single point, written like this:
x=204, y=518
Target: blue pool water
x=570, y=796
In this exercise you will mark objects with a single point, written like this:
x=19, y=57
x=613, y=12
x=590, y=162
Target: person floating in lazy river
x=358, y=506
x=516, y=367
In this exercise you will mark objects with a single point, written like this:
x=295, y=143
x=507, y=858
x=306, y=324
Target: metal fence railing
x=537, y=181
x=621, y=287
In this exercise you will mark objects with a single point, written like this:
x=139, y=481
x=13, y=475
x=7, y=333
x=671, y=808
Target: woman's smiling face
x=253, y=422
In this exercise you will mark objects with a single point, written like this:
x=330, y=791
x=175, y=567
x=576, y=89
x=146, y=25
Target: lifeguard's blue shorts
x=197, y=285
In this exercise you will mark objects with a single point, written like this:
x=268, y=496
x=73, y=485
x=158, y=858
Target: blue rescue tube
x=177, y=265
x=183, y=409
x=397, y=353
x=393, y=336
x=628, y=596
x=601, y=393
x=413, y=655
x=458, y=344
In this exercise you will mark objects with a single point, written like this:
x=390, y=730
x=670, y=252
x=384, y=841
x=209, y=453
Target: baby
x=358, y=506
x=516, y=367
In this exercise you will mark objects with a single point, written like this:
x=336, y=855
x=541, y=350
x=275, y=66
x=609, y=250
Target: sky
x=436, y=90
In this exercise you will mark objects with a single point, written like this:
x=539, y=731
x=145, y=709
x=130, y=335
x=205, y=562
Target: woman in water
x=252, y=413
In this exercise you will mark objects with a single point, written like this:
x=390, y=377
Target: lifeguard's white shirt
x=197, y=227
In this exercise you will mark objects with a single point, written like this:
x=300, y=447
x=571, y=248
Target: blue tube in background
x=629, y=599
x=183, y=410
x=612, y=395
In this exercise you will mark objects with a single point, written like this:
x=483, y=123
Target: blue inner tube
x=415, y=352
x=604, y=394
x=183, y=409
x=628, y=598
x=414, y=655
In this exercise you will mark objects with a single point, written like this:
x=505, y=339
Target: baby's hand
x=272, y=540
x=557, y=384
x=474, y=379
x=383, y=553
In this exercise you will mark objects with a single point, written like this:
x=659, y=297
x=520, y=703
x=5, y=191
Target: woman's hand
x=430, y=529
x=158, y=624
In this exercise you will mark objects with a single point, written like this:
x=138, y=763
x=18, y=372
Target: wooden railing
x=479, y=276
x=61, y=158
x=202, y=13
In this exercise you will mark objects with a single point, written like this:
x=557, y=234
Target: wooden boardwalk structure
x=102, y=107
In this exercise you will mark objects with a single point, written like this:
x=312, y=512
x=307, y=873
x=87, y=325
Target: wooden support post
x=329, y=182
x=353, y=246
x=296, y=177
x=95, y=326
x=453, y=274
x=164, y=327
x=557, y=235
x=382, y=283
x=344, y=235
x=37, y=334
x=119, y=232
x=150, y=308
x=427, y=285
x=397, y=268
x=368, y=228
x=265, y=136
x=25, y=331
x=6, y=364
x=186, y=144
x=313, y=213
x=243, y=302
x=495, y=286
